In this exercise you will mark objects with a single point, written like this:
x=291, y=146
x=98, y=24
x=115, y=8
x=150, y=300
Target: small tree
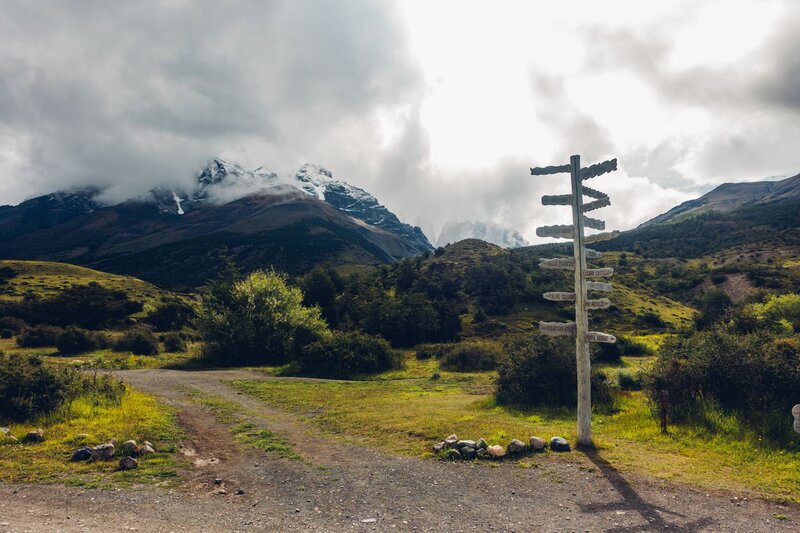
x=259, y=320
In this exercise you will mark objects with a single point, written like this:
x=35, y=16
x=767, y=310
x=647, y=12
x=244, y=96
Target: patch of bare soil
x=340, y=487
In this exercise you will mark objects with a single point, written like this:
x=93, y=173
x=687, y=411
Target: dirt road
x=340, y=487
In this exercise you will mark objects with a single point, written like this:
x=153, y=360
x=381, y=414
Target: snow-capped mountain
x=455, y=231
x=223, y=181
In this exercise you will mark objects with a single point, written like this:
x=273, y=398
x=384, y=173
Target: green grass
x=44, y=278
x=138, y=416
x=406, y=412
x=231, y=414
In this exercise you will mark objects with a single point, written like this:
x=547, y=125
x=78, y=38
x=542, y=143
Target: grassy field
x=138, y=416
x=407, y=411
x=43, y=278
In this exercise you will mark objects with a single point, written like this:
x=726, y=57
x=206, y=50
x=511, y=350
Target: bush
x=75, y=341
x=39, y=336
x=753, y=376
x=174, y=343
x=612, y=353
x=6, y=333
x=426, y=351
x=257, y=320
x=472, y=356
x=629, y=380
x=542, y=372
x=14, y=324
x=346, y=355
x=139, y=341
x=171, y=315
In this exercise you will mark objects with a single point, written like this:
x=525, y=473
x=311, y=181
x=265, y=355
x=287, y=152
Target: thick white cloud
x=437, y=107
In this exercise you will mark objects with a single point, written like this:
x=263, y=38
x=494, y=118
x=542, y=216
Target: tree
x=259, y=319
x=320, y=289
x=712, y=306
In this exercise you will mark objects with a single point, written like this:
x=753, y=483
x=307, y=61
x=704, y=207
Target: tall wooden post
x=580, y=328
x=582, y=356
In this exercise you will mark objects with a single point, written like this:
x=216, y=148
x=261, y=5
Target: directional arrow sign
x=543, y=171
x=559, y=263
x=557, y=329
x=596, y=336
x=592, y=254
x=559, y=296
x=561, y=231
x=598, y=169
x=599, y=272
x=591, y=193
x=593, y=223
x=602, y=303
x=597, y=286
x=558, y=199
x=600, y=237
x=591, y=206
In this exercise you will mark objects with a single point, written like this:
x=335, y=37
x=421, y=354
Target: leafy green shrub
x=12, y=323
x=629, y=380
x=6, y=333
x=39, y=336
x=436, y=351
x=753, y=376
x=174, y=343
x=346, y=355
x=29, y=388
x=472, y=356
x=139, y=341
x=612, y=353
x=260, y=319
x=542, y=372
x=75, y=341
x=171, y=315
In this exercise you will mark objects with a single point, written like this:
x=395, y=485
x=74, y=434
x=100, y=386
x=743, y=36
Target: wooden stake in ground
x=579, y=328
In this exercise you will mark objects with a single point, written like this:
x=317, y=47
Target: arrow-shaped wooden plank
x=600, y=237
x=560, y=231
x=596, y=336
x=593, y=223
x=601, y=303
x=598, y=286
x=598, y=169
x=543, y=171
x=558, y=329
x=597, y=204
x=557, y=199
x=559, y=263
x=592, y=254
x=559, y=296
x=599, y=272
x=592, y=193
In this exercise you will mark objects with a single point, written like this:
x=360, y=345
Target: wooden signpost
x=580, y=328
x=796, y=415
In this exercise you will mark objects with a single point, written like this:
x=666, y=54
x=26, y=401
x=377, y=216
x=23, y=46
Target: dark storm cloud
x=138, y=93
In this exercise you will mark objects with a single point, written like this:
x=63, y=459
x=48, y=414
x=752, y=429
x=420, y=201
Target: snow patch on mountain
x=491, y=232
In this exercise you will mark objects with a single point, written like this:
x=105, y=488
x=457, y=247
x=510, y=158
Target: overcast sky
x=437, y=108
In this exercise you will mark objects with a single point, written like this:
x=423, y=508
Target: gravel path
x=340, y=487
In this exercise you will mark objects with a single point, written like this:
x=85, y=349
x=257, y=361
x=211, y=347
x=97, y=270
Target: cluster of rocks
x=453, y=448
x=32, y=437
x=129, y=450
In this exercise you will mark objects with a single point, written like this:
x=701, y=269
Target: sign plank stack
x=575, y=232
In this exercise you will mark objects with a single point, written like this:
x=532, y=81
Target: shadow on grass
x=632, y=501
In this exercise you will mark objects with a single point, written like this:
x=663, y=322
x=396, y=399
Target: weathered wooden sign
x=601, y=303
x=598, y=286
x=560, y=231
x=557, y=199
x=597, y=204
x=599, y=272
x=557, y=329
x=600, y=237
x=596, y=336
x=559, y=296
x=593, y=223
x=796, y=415
x=559, y=263
x=579, y=328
